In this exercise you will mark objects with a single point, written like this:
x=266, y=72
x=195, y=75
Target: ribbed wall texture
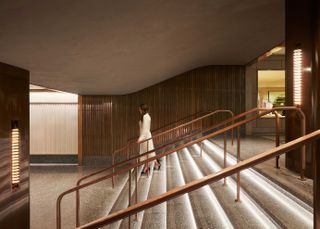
x=54, y=129
x=109, y=121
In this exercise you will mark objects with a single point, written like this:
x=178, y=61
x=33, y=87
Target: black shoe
x=145, y=172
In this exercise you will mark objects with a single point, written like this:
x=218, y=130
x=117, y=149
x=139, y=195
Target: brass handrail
x=209, y=179
x=225, y=129
x=164, y=133
x=130, y=144
x=190, y=122
x=201, y=113
x=160, y=147
x=114, y=165
x=134, y=140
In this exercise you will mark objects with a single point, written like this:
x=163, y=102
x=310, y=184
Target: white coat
x=145, y=133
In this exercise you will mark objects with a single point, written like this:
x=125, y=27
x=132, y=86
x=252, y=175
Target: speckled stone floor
x=48, y=182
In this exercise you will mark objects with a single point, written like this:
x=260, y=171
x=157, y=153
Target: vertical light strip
x=297, y=77
x=15, y=155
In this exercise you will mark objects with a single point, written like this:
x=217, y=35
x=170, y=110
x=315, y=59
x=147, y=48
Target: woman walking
x=145, y=133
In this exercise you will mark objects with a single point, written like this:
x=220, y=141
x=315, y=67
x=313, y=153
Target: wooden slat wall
x=54, y=128
x=109, y=121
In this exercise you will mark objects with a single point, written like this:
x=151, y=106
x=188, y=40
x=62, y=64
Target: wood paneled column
x=14, y=108
x=316, y=109
x=302, y=29
x=298, y=34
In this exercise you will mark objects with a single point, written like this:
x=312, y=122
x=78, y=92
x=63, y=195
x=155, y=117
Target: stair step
x=156, y=217
x=122, y=199
x=179, y=211
x=278, y=204
x=206, y=208
x=263, y=204
x=283, y=177
x=245, y=214
x=92, y=206
x=144, y=183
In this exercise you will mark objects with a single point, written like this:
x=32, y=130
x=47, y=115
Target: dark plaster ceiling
x=122, y=46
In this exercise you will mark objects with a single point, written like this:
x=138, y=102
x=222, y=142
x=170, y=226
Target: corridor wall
x=107, y=122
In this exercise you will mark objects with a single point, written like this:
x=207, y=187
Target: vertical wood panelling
x=54, y=128
x=107, y=127
x=80, y=137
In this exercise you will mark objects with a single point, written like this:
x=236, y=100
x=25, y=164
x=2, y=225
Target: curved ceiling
x=118, y=47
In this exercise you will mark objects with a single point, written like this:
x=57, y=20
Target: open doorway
x=271, y=88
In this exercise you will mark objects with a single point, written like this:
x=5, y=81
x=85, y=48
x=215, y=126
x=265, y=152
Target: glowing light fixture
x=297, y=77
x=15, y=155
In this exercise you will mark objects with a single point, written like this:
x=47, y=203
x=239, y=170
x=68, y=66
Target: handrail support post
x=129, y=199
x=303, y=147
x=113, y=162
x=277, y=122
x=136, y=184
x=225, y=155
x=238, y=160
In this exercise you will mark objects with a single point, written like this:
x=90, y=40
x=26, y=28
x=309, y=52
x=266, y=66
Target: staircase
x=264, y=204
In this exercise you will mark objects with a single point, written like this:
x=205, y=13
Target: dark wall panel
x=109, y=121
x=14, y=105
x=300, y=33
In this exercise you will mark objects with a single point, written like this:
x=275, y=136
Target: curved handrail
x=130, y=144
x=169, y=131
x=144, y=154
x=161, y=147
x=155, y=131
x=138, y=164
x=180, y=120
x=114, y=165
x=209, y=179
x=190, y=122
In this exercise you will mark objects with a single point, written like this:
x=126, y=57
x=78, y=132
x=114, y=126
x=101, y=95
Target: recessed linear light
x=209, y=193
x=272, y=190
x=186, y=198
x=263, y=220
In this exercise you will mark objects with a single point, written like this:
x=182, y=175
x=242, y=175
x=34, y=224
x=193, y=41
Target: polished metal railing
x=178, y=131
x=165, y=135
x=209, y=179
x=237, y=125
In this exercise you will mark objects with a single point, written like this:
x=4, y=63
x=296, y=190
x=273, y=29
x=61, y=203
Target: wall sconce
x=297, y=77
x=15, y=155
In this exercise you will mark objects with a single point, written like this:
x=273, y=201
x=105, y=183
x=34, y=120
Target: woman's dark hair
x=144, y=108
